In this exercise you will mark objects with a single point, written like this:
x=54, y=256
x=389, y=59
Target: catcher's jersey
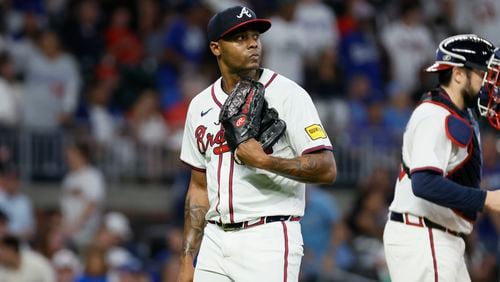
x=239, y=193
x=428, y=145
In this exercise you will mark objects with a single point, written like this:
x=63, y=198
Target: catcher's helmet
x=464, y=50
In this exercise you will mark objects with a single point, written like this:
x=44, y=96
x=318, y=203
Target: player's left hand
x=241, y=114
x=250, y=153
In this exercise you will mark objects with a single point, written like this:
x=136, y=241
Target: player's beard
x=469, y=95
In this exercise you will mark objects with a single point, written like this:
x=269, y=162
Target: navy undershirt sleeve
x=433, y=187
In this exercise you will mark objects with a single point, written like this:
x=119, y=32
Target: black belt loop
x=247, y=224
x=399, y=217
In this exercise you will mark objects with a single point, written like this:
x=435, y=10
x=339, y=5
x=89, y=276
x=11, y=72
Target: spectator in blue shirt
x=360, y=53
x=16, y=205
x=318, y=224
x=185, y=45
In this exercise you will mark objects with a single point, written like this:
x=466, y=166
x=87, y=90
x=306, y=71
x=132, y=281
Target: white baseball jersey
x=427, y=145
x=414, y=251
x=237, y=192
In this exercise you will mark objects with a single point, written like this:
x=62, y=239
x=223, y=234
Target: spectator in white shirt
x=10, y=93
x=481, y=17
x=409, y=45
x=285, y=43
x=104, y=125
x=319, y=26
x=18, y=265
x=52, y=85
x=83, y=195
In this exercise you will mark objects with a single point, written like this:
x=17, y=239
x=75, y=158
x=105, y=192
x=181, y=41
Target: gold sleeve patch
x=315, y=131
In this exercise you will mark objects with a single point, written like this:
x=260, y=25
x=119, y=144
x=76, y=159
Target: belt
x=403, y=218
x=252, y=223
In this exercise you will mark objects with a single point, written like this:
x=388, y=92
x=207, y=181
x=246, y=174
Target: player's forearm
x=195, y=208
x=311, y=168
x=433, y=187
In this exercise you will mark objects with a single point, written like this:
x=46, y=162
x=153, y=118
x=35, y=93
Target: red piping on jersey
x=285, y=267
x=402, y=173
x=460, y=165
x=271, y=80
x=231, y=167
x=215, y=97
x=218, y=186
x=469, y=152
x=433, y=251
x=317, y=148
x=438, y=170
x=442, y=105
x=220, y=104
x=194, y=168
x=470, y=147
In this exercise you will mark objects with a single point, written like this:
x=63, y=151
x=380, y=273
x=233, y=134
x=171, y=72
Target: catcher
x=437, y=194
x=252, y=139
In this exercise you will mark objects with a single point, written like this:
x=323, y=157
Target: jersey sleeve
x=305, y=130
x=430, y=147
x=189, y=150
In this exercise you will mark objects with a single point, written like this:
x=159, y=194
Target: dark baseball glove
x=241, y=114
x=271, y=128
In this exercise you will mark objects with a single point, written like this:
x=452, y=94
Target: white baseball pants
x=268, y=252
x=423, y=254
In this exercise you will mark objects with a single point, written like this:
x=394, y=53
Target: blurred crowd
x=115, y=77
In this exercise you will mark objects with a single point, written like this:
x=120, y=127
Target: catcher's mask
x=473, y=52
x=489, y=96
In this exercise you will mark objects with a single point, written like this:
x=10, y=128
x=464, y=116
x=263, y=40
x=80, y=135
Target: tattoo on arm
x=306, y=168
x=194, y=217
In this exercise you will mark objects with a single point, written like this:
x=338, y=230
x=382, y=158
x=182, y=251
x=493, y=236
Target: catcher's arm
x=195, y=208
x=318, y=167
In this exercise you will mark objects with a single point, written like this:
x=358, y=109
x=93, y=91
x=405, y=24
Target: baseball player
x=437, y=195
x=244, y=204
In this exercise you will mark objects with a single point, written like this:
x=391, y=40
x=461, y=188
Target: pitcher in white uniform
x=242, y=222
x=437, y=195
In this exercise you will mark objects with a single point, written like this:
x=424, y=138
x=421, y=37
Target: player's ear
x=215, y=48
x=458, y=75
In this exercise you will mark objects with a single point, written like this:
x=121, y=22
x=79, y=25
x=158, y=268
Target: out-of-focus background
x=93, y=98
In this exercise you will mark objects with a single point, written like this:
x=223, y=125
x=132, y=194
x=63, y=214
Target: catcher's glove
x=241, y=113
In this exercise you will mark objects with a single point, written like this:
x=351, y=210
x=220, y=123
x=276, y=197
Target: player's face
x=241, y=51
x=470, y=91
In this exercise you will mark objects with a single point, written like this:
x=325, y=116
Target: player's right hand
x=492, y=201
x=250, y=153
x=186, y=272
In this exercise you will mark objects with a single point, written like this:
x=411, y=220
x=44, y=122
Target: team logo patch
x=315, y=131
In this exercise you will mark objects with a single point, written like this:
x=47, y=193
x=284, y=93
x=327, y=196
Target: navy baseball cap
x=230, y=19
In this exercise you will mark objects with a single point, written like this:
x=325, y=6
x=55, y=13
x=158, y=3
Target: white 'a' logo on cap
x=244, y=11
